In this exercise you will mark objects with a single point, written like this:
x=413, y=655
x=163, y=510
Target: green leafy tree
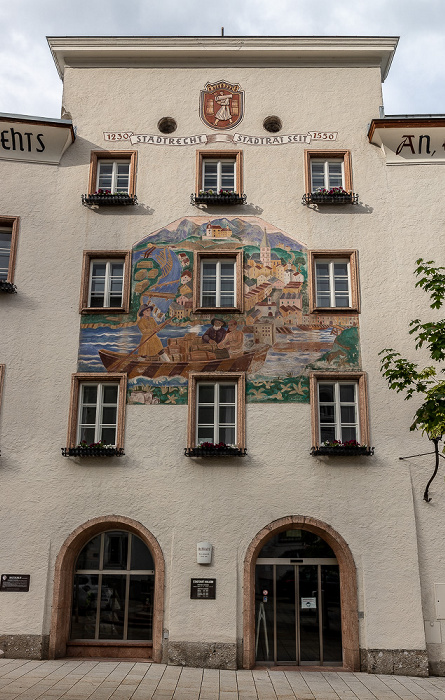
x=405, y=376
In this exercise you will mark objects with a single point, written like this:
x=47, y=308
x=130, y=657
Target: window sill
x=92, y=451
x=217, y=310
x=365, y=451
x=334, y=310
x=7, y=287
x=104, y=310
x=215, y=452
x=218, y=199
x=109, y=200
x=108, y=643
x=314, y=198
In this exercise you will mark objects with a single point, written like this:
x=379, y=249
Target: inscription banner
x=33, y=140
x=410, y=145
x=277, y=140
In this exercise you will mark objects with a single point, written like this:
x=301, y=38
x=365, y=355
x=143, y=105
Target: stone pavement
x=74, y=679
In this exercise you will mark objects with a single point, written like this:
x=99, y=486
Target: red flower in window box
x=350, y=448
x=211, y=449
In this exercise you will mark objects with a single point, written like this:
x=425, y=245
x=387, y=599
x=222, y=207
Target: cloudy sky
x=29, y=83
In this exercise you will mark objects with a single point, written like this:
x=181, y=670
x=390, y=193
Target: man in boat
x=150, y=345
x=216, y=333
x=214, y=336
x=234, y=339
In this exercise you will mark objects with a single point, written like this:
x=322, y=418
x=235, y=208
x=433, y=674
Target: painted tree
x=424, y=382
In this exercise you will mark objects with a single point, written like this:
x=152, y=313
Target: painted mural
x=275, y=341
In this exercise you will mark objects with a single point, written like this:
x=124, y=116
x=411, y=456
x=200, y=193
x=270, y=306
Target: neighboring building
x=217, y=232
x=264, y=332
x=186, y=277
x=184, y=259
x=152, y=324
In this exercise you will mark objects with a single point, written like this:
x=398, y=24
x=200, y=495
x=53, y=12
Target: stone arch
x=64, y=571
x=348, y=585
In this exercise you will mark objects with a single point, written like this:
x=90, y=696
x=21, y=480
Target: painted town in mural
x=275, y=340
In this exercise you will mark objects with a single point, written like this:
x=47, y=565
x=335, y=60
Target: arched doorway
x=108, y=592
x=300, y=596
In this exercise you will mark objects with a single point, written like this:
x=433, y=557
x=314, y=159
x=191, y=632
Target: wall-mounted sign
x=221, y=105
x=308, y=603
x=36, y=140
x=15, y=583
x=201, y=588
x=409, y=141
x=204, y=553
x=199, y=139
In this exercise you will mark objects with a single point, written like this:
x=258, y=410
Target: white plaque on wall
x=204, y=553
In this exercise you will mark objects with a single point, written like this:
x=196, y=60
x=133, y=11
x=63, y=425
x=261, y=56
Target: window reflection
x=113, y=589
x=115, y=550
x=296, y=544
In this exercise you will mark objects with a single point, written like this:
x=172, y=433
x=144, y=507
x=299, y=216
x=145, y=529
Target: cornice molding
x=404, y=123
x=283, y=51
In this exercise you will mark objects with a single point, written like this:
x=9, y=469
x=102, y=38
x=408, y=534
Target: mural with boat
x=275, y=340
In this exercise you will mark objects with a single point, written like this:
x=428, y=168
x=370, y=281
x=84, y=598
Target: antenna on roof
x=222, y=31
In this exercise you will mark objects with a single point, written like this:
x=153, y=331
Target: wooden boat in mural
x=314, y=327
x=186, y=355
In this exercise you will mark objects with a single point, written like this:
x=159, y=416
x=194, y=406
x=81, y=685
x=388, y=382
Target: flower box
x=7, y=287
x=336, y=195
x=208, y=449
x=107, y=199
x=342, y=450
x=218, y=198
x=90, y=451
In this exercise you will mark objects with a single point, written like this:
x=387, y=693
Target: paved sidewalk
x=72, y=679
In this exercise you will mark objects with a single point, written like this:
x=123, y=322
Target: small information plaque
x=203, y=588
x=308, y=603
x=15, y=583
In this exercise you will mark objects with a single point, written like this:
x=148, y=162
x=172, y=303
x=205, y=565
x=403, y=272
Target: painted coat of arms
x=222, y=105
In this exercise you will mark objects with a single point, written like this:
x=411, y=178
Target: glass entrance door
x=297, y=602
x=297, y=614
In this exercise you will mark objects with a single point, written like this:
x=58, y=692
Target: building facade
x=199, y=264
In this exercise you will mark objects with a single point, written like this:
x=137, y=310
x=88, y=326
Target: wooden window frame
x=354, y=291
x=214, y=377
x=345, y=155
x=235, y=255
x=88, y=256
x=215, y=425
x=13, y=222
x=362, y=386
x=93, y=378
x=220, y=155
x=96, y=156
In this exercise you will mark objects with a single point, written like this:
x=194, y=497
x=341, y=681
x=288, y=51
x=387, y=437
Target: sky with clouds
x=29, y=83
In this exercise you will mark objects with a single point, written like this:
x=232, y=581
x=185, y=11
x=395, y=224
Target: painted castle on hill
x=275, y=340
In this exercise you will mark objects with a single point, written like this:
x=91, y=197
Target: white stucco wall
x=183, y=501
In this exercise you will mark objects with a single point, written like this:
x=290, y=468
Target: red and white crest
x=221, y=105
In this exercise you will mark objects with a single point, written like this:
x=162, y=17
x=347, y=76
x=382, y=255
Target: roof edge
x=416, y=121
x=30, y=118
x=90, y=51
